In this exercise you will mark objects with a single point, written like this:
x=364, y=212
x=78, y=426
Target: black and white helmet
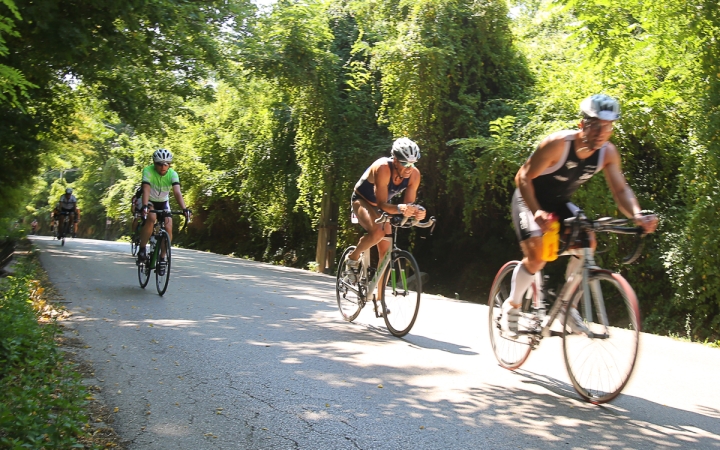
x=600, y=106
x=162, y=155
x=68, y=191
x=405, y=150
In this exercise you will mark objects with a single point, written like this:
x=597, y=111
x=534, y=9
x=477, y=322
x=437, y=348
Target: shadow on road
x=273, y=351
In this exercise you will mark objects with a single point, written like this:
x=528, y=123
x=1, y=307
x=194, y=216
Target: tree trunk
x=327, y=236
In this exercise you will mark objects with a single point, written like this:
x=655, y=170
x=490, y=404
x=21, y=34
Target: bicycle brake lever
x=638, y=251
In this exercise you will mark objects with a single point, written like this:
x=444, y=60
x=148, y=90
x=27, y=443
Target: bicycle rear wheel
x=162, y=274
x=399, y=293
x=600, y=362
x=349, y=302
x=511, y=352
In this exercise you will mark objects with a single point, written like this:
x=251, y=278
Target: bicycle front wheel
x=346, y=287
x=399, y=293
x=162, y=266
x=600, y=361
x=143, y=269
x=511, y=352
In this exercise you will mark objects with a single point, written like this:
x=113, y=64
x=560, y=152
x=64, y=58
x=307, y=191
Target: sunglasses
x=406, y=164
x=598, y=126
x=161, y=164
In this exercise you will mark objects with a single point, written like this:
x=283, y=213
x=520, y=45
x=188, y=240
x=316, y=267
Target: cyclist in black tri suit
x=559, y=166
x=383, y=180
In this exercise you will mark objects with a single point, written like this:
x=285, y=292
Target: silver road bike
x=600, y=348
x=394, y=288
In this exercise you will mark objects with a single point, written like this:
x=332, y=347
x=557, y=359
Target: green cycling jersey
x=160, y=185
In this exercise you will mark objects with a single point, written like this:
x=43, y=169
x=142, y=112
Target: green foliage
x=665, y=73
x=483, y=170
x=13, y=84
x=269, y=114
x=142, y=58
x=42, y=398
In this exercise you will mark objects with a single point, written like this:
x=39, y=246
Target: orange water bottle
x=551, y=239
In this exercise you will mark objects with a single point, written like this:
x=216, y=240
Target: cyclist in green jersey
x=158, y=179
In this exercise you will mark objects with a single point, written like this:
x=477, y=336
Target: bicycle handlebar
x=401, y=221
x=604, y=225
x=163, y=213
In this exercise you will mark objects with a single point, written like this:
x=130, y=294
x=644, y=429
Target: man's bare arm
x=178, y=196
x=547, y=154
x=623, y=195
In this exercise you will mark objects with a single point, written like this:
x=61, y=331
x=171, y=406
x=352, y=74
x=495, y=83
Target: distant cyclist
x=67, y=204
x=383, y=180
x=158, y=179
x=559, y=166
x=136, y=206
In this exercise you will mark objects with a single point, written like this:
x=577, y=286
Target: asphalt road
x=246, y=355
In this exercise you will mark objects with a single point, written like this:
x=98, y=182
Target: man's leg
x=366, y=214
x=524, y=273
x=145, y=233
x=530, y=237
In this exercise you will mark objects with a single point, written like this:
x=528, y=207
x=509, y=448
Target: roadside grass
x=43, y=401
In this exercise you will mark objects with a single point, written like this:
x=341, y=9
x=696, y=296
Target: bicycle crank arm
x=350, y=287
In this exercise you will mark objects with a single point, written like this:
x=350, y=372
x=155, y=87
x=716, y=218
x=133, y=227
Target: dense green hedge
x=42, y=399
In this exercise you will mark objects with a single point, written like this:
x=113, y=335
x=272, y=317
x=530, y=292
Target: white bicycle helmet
x=162, y=155
x=600, y=106
x=405, y=150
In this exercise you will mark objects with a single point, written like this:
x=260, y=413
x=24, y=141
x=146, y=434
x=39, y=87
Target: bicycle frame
x=577, y=277
x=159, y=229
x=65, y=222
x=382, y=265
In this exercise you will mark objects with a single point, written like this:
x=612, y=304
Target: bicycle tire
x=143, y=273
x=600, y=363
x=161, y=281
x=511, y=353
x=400, y=292
x=349, y=303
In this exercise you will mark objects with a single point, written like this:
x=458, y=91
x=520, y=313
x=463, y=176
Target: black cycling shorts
x=161, y=206
x=524, y=221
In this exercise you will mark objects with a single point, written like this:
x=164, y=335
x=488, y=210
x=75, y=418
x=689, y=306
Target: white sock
x=521, y=281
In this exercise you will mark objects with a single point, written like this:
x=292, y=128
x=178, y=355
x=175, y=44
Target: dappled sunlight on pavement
x=240, y=351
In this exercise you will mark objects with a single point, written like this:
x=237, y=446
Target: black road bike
x=158, y=256
x=64, y=226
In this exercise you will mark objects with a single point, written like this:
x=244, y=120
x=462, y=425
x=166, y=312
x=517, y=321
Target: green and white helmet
x=600, y=106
